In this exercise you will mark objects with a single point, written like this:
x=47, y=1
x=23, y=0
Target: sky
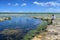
x=29, y=5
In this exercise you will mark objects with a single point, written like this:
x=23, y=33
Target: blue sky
x=29, y=5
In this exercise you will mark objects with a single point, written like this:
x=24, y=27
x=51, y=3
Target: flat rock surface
x=53, y=32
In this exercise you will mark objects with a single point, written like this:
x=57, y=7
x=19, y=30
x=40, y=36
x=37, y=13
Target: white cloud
x=47, y=3
x=16, y=4
x=9, y=3
x=24, y=4
x=52, y=10
x=38, y=3
x=53, y=3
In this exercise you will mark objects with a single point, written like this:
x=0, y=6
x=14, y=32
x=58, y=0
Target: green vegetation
x=5, y=18
x=9, y=32
x=38, y=15
x=38, y=30
x=8, y=18
x=49, y=21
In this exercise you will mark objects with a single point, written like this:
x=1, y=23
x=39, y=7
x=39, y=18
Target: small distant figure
x=53, y=19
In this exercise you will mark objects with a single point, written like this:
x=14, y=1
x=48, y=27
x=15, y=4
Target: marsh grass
x=35, y=32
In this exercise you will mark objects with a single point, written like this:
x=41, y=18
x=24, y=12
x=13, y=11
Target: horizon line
x=28, y=12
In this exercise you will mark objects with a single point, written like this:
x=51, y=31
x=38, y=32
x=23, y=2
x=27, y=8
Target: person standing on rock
x=53, y=19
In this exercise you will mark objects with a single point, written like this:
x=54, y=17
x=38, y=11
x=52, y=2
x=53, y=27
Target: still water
x=21, y=22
